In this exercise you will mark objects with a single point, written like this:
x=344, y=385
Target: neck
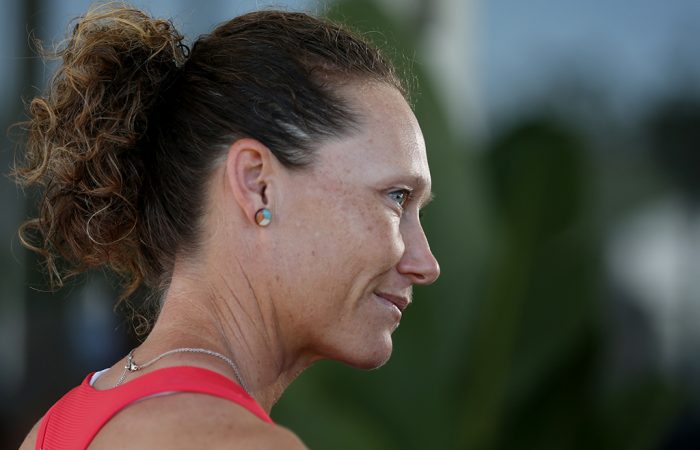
x=226, y=316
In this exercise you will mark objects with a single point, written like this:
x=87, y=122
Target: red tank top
x=75, y=419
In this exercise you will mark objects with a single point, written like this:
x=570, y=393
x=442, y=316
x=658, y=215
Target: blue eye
x=400, y=196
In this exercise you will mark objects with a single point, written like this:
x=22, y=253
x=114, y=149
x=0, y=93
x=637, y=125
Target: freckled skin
x=278, y=298
x=357, y=235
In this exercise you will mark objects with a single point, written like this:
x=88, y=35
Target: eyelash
x=408, y=195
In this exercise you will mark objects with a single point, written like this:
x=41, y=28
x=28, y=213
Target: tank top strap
x=75, y=419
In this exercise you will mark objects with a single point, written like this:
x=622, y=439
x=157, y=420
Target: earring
x=263, y=217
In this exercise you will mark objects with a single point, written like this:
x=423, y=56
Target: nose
x=418, y=261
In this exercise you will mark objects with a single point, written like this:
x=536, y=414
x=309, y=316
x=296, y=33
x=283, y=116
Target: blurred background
x=563, y=138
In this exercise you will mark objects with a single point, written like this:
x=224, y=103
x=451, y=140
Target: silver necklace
x=131, y=366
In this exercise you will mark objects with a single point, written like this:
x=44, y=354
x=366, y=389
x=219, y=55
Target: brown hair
x=133, y=123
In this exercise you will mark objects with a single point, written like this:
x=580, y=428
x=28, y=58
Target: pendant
x=130, y=365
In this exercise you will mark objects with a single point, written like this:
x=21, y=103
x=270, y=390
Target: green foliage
x=507, y=350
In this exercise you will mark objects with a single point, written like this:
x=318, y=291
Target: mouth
x=400, y=302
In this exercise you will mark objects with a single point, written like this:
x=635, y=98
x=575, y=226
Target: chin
x=371, y=356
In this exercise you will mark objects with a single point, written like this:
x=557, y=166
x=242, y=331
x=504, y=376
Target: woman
x=266, y=185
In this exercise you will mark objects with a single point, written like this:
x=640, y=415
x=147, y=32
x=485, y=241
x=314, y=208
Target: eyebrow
x=428, y=198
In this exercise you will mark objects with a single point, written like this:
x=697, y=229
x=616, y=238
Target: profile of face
x=346, y=234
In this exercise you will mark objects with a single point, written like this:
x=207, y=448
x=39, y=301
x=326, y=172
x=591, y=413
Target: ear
x=250, y=166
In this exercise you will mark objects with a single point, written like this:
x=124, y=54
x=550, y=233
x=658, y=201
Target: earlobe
x=248, y=172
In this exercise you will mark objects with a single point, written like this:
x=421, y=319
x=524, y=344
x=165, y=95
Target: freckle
x=313, y=252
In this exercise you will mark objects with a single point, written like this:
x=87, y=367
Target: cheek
x=357, y=232
x=372, y=238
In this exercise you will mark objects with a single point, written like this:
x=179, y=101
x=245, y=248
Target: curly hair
x=132, y=124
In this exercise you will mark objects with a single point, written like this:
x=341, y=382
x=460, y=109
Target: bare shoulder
x=279, y=438
x=30, y=441
x=182, y=421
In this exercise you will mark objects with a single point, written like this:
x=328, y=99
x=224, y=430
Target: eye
x=400, y=196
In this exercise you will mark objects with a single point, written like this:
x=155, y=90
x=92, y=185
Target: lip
x=400, y=302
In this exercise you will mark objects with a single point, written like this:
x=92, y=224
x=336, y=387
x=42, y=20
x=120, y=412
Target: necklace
x=131, y=366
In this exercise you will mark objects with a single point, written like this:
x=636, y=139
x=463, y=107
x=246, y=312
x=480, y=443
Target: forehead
x=387, y=143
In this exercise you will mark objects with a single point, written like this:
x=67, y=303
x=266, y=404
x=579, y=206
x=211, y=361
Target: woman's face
x=348, y=240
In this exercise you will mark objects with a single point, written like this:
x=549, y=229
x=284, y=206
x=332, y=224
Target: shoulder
x=184, y=420
x=280, y=438
x=30, y=441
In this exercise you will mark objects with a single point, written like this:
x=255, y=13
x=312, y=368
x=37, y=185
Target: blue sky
x=630, y=48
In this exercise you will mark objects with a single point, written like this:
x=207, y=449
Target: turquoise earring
x=263, y=217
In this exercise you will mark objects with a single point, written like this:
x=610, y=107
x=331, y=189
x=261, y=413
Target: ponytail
x=132, y=126
x=82, y=141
